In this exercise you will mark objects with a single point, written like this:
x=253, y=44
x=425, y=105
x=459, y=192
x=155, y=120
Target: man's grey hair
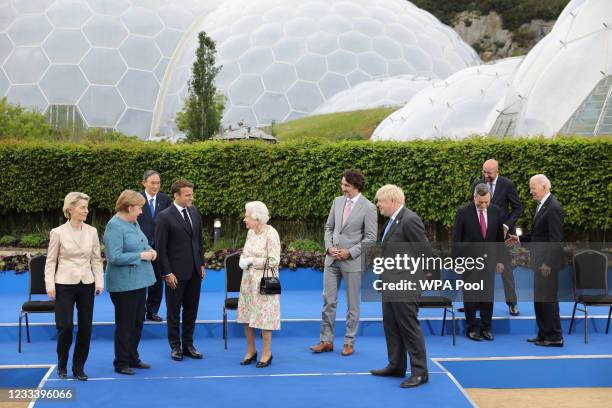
x=148, y=174
x=258, y=211
x=481, y=189
x=542, y=180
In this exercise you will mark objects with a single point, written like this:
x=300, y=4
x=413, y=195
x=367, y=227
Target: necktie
x=492, y=187
x=483, y=224
x=186, y=218
x=347, y=211
x=387, y=228
x=537, y=210
x=152, y=207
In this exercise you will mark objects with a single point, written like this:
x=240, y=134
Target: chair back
x=591, y=271
x=233, y=273
x=37, y=275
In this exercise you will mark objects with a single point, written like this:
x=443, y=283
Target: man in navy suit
x=505, y=196
x=156, y=201
x=478, y=225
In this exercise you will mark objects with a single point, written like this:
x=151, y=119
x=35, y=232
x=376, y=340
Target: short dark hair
x=354, y=178
x=149, y=173
x=178, y=184
x=482, y=189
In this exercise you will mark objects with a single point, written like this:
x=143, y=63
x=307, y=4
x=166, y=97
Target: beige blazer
x=72, y=259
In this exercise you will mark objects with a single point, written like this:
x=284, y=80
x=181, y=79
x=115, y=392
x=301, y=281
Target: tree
x=201, y=116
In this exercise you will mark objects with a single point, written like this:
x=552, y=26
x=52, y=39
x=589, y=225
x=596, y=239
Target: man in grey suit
x=404, y=234
x=351, y=226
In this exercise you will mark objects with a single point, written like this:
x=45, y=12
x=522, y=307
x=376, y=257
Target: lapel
x=356, y=207
x=396, y=222
x=73, y=237
x=538, y=215
x=146, y=208
x=181, y=220
x=491, y=223
x=339, y=209
x=474, y=220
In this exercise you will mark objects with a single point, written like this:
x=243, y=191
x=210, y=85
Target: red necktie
x=483, y=224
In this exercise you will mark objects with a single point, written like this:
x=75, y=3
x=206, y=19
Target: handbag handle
x=267, y=264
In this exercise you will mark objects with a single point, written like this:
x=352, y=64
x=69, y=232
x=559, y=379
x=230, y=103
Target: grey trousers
x=331, y=282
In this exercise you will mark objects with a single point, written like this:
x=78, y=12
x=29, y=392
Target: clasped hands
x=340, y=254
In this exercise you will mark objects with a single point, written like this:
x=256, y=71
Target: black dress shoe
x=140, y=365
x=176, y=354
x=474, y=336
x=62, y=373
x=534, y=339
x=387, y=372
x=154, y=317
x=80, y=375
x=262, y=364
x=549, y=343
x=414, y=381
x=126, y=371
x=249, y=360
x=487, y=335
x=513, y=310
x=191, y=351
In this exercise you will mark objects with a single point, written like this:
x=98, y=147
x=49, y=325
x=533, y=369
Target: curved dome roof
x=283, y=58
x=392, y=91
x=564, y=82
x=461, y=105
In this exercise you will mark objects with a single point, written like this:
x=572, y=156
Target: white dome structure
x=282, y=59
x=392, y=91
x=564, y=84
x=461, y=105
x=98, y=63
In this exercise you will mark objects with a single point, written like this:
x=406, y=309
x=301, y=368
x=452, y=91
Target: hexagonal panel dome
x=331, y=45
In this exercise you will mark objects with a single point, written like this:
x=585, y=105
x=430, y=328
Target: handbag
x=269, y=285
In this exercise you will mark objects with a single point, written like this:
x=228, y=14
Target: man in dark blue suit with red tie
x=155, y=202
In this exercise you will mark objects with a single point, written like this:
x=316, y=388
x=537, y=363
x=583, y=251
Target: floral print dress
x=256, y=310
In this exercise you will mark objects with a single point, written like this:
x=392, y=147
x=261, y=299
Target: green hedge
x=298, y=181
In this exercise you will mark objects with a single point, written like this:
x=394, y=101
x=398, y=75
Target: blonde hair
x=71, y=200
x=392, y=193
x=258, y=211
x=129, y=198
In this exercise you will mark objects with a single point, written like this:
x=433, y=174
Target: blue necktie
x=387, y=228
x=152, y=207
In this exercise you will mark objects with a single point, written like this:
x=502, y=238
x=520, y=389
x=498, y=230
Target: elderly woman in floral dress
x=255, y=310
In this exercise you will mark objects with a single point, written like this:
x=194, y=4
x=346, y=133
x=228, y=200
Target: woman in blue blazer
x=128, y=274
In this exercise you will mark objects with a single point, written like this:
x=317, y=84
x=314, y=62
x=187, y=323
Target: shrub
x=307, y=245
x=35, y=240
x=8, y=240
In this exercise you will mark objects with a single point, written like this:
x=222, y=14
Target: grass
x=356, y=125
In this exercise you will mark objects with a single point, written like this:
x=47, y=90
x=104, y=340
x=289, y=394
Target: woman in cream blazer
x=73, y=273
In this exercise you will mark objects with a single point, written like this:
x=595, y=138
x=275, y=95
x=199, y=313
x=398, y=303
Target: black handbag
x=269, y=285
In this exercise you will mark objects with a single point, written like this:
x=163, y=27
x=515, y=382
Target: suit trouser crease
x=186, y=296
x=509, y=285
x=67, y=296
x=404, y=336
x=332, y=275
x=129, y=321
x=155, y=292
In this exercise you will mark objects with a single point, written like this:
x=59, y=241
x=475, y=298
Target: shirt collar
x=545, y=198
x=354, y=199
x=150, y=197
x=178, y=207
x=394, y=216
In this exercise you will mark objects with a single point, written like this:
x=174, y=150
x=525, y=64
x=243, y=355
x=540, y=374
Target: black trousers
x=67, y=296
x=129, y=318
x=486, y=315
x=546, y=306
x=155, y=292
x=185, y=296
x=404, y=336
x=509, y=284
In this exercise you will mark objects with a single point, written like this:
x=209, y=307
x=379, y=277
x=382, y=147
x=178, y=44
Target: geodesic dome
x=565, y=82
x=283, y=58
x=461, y=105
x=95, y=62
x=392, y=91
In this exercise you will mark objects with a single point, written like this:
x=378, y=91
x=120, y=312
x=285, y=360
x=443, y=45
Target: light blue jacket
x=125, y=270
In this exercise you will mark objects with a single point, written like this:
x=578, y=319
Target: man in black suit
x=478, y=226
x=546, y=254
x=404, y=233
x=156, y=201
x=505, y=196
x=178, y=240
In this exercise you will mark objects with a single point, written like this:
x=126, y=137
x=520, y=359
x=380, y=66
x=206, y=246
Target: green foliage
x=298, y=181
x=8, y=240
x=34, y=240
x=334, y=127
x=307, y=245
x=201, y=116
